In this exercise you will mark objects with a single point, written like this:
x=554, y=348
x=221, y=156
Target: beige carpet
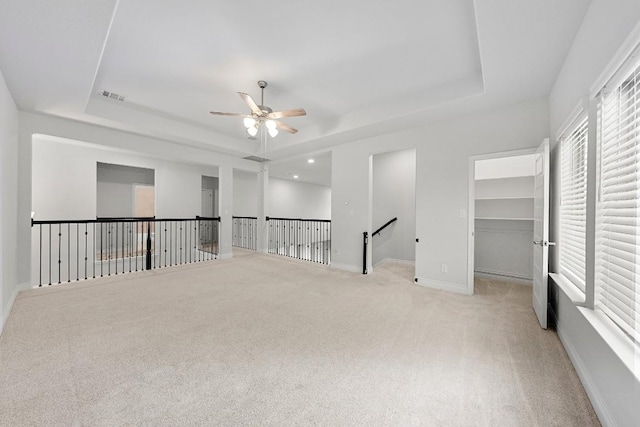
x=260, y=340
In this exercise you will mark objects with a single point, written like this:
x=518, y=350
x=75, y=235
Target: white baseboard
x=346, y=267
x=445, y=286
x=396, y=261
x=6, y=310
x=225, y=256
x=503, y=277
x=505, y=274
x=595, y=396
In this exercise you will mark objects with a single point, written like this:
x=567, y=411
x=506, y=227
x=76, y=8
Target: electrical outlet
x=444, y=268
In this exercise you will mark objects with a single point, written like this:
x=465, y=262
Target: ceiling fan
x=262, y=114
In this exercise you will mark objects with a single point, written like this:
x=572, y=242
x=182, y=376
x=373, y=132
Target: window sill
x=621, y=345
x=575, y=295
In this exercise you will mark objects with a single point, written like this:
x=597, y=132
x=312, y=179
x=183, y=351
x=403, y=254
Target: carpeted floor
x=260, y=340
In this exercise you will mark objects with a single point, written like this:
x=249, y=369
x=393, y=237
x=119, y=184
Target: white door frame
x=472, y=206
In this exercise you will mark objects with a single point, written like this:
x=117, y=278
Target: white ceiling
x=318, y=172
x=358, y=68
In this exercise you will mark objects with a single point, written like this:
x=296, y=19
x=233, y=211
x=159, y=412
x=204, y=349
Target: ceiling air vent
x=112, y=95
x=256, y=159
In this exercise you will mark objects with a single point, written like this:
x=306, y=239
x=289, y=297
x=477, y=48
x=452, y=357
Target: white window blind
x=573, y=204
x=617, y=283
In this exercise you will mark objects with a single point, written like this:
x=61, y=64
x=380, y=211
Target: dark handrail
x=297, y=219
x=125, y=218
x=391, y=221
x=244, y=217
x=119, y=219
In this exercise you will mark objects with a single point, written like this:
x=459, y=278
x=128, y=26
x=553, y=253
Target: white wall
x=245, y=193
x=8, y=201
x=442, y=185
x=289, y=199
x=611, y=384
x=286, y=199
x=65, y=180
x=394, y=195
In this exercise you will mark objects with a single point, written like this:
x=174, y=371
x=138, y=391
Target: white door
x=207, y=202
x=541, y=233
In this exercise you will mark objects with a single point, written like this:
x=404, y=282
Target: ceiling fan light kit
x=264, y=115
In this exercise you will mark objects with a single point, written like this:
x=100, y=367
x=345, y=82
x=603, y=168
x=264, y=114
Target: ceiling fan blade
x=251, y=103
x=285, y=127
x=220, y=113
x=287, y=113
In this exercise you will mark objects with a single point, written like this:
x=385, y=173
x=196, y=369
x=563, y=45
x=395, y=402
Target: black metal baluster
x=306, y=240
x=289, y=238
x=196, y=231
x=49, y=254
x=172, y=243
x=94, y=250
x=86, y=250
x=110, y=248
x=321, y=244
x=101, y=225
x=148, y=263
x=160, y=245
x=59, y=253
x=138, y=243
x=298, y=239
x=77, y=253
x=124, y=249
x=329, y=245
x=40, y=227
x=129, y=244
x=154, y=263
x=116, y=254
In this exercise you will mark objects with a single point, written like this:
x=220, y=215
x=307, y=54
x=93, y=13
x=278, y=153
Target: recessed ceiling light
x=295, y=177
x=311, y=161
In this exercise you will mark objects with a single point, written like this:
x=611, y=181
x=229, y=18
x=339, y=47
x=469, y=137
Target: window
x=573, y=204
x=617, y=281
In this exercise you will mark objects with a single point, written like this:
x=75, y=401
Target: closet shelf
x=505, y=198
x=504, y=219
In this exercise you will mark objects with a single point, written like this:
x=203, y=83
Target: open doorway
x=501, y=217
x=245, y=212
x=393, y=219
x=208, y=239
